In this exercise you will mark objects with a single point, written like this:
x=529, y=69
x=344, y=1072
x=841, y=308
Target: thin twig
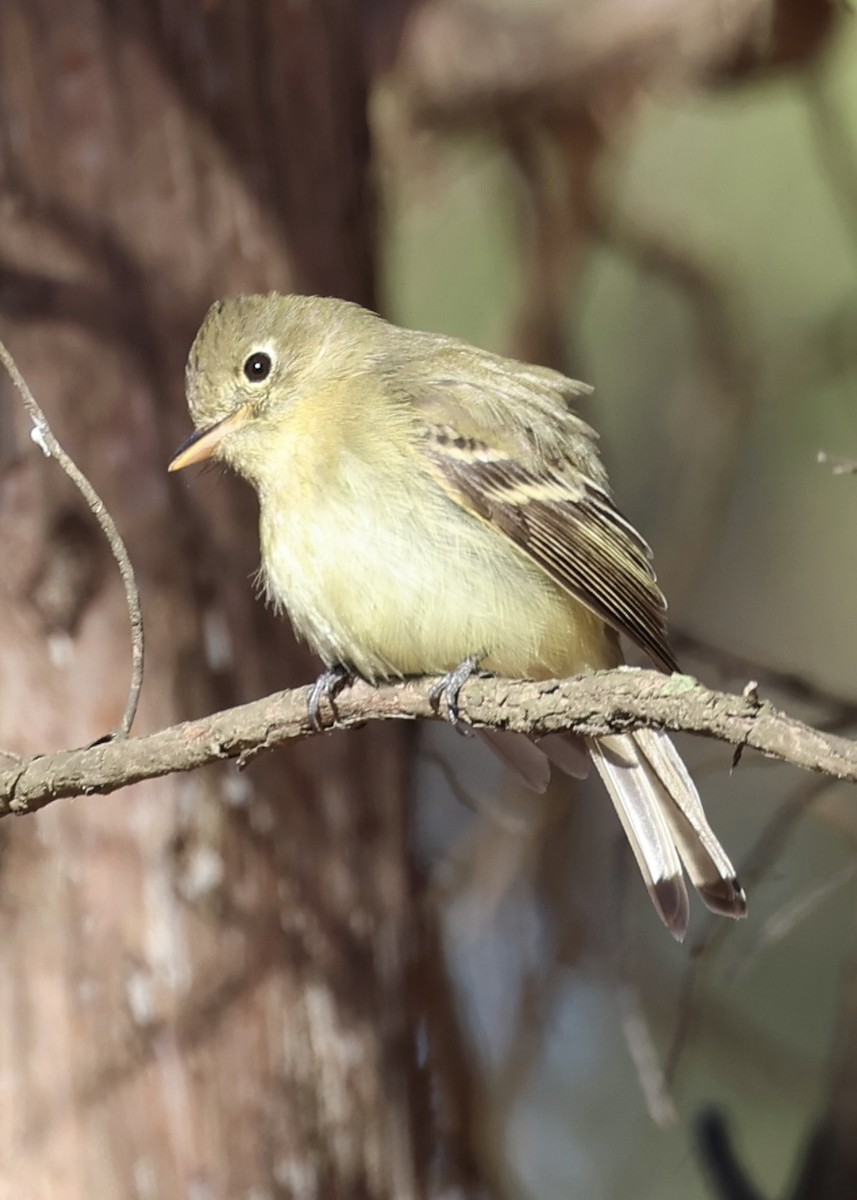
x=798, y=909
x=484, y=806
x=636, y=1028
x=767, y=848
x=646, y=1059
x=44, y=438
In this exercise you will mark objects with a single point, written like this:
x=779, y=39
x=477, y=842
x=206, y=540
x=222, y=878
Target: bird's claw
x=448, y=690
x=328, y=685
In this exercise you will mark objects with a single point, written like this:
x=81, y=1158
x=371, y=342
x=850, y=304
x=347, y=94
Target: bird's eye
x=257, y=368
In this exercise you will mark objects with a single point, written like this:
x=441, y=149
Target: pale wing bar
x=573, y=531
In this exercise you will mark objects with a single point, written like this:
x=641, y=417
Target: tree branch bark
x=591, y=705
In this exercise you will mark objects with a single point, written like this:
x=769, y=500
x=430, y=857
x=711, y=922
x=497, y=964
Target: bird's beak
x=204, y=442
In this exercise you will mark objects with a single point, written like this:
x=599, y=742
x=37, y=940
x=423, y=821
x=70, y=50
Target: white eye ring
x=258, y=366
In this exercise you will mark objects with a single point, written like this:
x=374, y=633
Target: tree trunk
x=203, y=981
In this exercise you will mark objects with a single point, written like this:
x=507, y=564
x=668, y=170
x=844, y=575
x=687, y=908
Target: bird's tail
x=661, y=813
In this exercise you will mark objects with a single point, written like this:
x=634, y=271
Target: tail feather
x=521, y=755
x=659, y=808
x=656, y=797
x=567, y=752
x=705, y=860
x=638, y=800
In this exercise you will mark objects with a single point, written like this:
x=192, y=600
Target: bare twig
x=768, y=846
x=646, y=1059
x=44, y=438
x=591, y=705
x=636, y=1028
x=798, y=909
x=483, y=806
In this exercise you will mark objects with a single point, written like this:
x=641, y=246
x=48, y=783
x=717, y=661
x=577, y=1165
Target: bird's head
x=254, y=359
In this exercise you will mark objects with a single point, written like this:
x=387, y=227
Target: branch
x=43, y=437
x=590, y=705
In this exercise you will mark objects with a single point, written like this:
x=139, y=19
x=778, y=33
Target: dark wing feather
x=566, y=524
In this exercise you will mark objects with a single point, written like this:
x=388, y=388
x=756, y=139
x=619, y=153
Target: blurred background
x=369, y=966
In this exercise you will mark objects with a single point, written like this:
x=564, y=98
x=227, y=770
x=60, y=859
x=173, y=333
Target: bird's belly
x=418, y=591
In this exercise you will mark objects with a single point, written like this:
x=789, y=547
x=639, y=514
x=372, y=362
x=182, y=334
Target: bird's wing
x=541, y=484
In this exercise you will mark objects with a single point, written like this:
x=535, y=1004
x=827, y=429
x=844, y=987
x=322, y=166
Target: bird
x=427, y=508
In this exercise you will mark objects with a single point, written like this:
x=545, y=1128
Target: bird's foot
x=327, y=687
x=449, y=688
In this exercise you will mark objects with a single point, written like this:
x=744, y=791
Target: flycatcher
x=426, y=504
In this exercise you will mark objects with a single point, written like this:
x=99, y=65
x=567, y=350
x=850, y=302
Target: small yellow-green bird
x=425, y=504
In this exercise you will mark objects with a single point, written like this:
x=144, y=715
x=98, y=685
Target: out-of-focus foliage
x=713, y=304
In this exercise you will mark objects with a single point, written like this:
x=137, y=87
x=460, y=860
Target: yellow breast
x=395, y=581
